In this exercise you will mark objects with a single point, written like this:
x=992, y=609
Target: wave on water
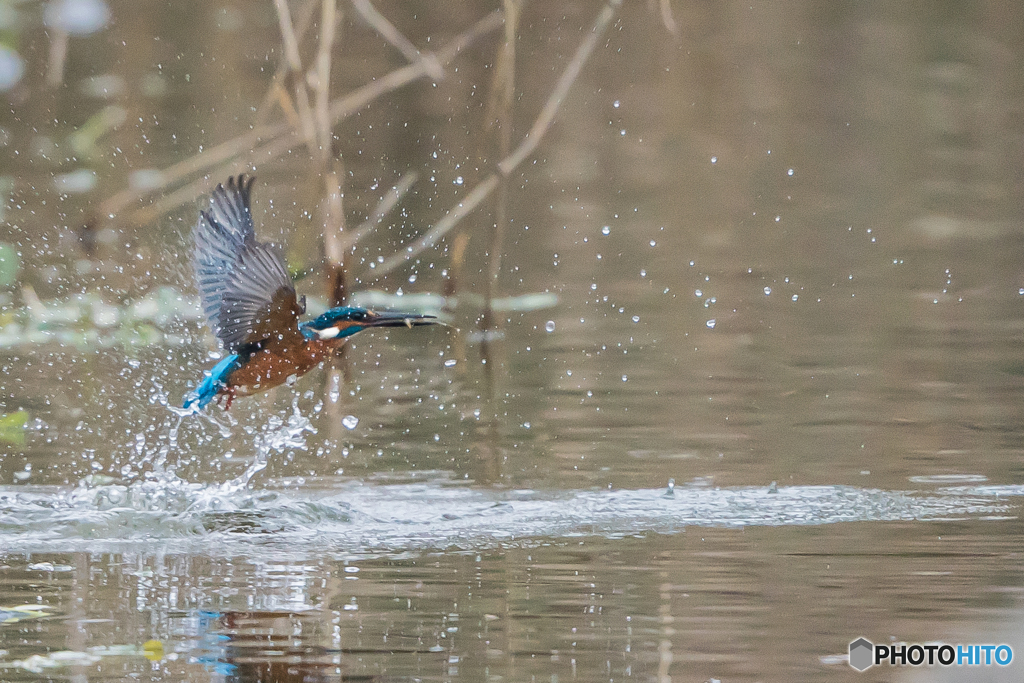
x=360, y=518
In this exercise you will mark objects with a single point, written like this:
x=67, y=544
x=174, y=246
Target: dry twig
x=391, y=34
x=221, y=159
x=525, y=148
x=291, y=52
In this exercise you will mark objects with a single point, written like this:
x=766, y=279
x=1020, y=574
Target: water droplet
x=795, y=297
x=789, y=172
x=625, y=378
x=606, y=230
x=653, y=243
x=767, y=291
x=550, y=325
x=698, y=293
x=459, y=180
x=616, y=104
x=450, y=363
x=412, y=278
x=778, y=218
x=526, y=425
x=350, y=421
x=714, y=160
x=636, y=318
x=711, y=324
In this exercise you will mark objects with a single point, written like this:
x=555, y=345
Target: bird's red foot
x=230, y=393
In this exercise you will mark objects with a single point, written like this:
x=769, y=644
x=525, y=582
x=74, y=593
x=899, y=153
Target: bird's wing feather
x=221, y=234
x=258, y=306
x=243, y=284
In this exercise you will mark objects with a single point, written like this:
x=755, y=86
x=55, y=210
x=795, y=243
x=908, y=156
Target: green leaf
x=12, y=427
x=10, y=264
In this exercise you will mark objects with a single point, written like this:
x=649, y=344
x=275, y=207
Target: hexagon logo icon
x=861, y=651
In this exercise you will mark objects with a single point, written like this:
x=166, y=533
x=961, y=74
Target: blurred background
x=769, y=252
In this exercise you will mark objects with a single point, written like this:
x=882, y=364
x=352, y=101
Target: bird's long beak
x=399, y=319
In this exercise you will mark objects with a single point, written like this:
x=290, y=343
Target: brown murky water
x=773, y=259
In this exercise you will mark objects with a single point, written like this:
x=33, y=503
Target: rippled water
x=359, y=519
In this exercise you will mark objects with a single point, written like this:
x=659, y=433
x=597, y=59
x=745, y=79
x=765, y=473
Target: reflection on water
x=709, y=602
x=773, y=257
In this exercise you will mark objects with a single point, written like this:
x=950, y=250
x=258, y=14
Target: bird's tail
x=213, y=382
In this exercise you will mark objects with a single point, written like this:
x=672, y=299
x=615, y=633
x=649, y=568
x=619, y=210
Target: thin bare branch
x=331, y=167
x=500, y=116
x=274, y=92
x=449, y=221
x=281, y=137
x=388, y=202
x=334, y=226
x=57, y=58
x=525, y=149
x=291, y=41
x=572, y=71
x=328, y=26
x=391, y=34
x=291, y=51
x=667, y=18
x=360, y=97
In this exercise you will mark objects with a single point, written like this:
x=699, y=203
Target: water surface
x=756, y=390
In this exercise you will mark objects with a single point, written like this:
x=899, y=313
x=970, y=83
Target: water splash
x=354, y=518
x=276, y=436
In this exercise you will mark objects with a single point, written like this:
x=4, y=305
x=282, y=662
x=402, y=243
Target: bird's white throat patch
x=328, y=332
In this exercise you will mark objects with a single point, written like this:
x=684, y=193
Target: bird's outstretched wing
x=244, y=286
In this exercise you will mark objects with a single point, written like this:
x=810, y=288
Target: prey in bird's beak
x=397, y=319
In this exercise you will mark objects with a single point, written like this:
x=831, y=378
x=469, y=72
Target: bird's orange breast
x=268, y=368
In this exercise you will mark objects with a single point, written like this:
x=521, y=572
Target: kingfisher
x=250, y=303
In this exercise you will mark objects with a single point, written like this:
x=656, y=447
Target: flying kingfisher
x=250, y=303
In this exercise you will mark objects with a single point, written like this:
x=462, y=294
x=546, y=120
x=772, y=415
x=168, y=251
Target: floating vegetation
x=153, y=650
x=88, y=321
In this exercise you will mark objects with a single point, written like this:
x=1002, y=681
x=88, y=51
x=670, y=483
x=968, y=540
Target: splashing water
x=356, y=518
x=277, y=436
